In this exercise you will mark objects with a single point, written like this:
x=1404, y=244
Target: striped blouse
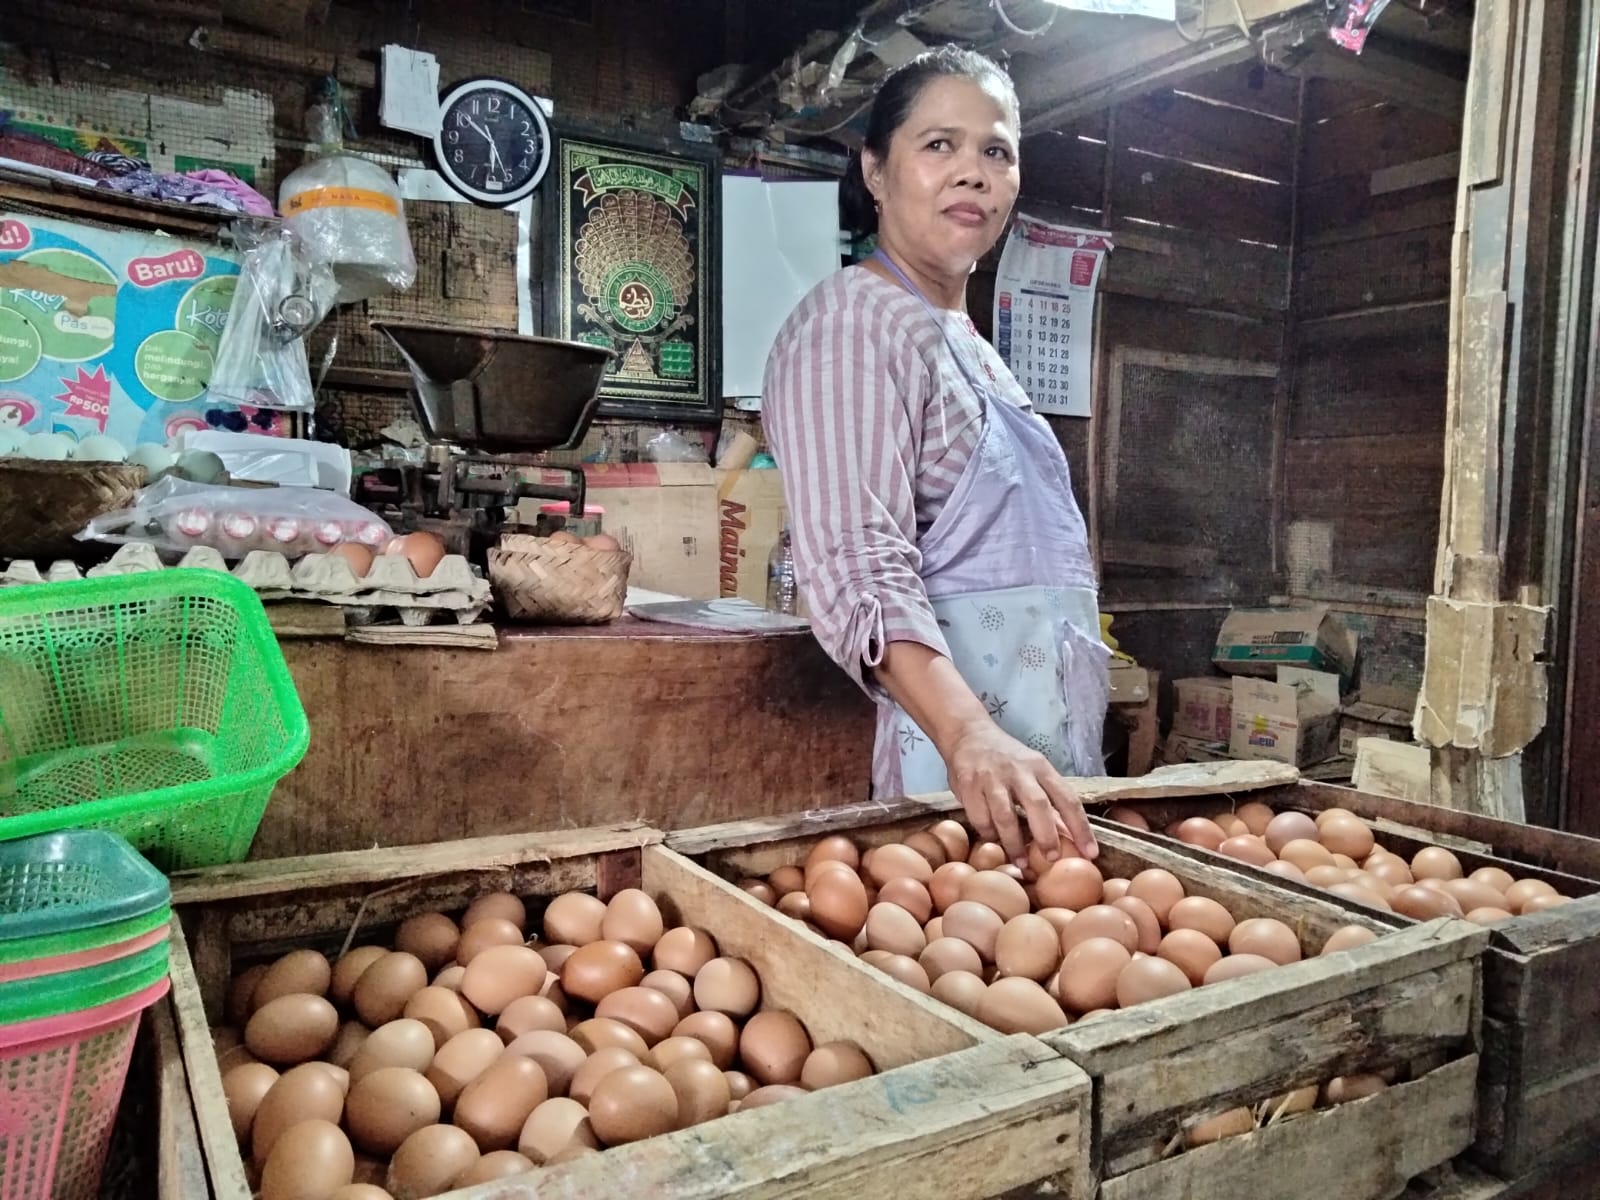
x=872, y=423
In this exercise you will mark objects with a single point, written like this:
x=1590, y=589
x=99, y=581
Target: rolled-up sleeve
x=842, y=408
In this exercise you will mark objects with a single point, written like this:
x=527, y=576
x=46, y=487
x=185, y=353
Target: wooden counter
x=563, y=727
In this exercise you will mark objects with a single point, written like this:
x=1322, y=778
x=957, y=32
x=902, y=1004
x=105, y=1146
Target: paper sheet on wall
x=1044, y=312
x=780, y=238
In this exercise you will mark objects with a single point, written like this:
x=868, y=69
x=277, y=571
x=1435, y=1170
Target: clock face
x=493, y=143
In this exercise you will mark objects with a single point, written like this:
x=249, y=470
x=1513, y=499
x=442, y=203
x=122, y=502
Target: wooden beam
x=1057, y=88
x=1431, y=82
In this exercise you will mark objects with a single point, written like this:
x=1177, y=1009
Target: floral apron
x=1006, y=567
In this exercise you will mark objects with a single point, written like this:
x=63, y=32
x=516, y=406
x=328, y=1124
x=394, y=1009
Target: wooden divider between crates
x=958, y=1110
x=1540, y=1074
x=1409, y=999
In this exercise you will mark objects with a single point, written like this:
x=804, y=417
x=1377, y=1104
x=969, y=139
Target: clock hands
x=494, y=150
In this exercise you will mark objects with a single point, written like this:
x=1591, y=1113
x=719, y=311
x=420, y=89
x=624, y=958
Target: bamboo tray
x=958, y=1110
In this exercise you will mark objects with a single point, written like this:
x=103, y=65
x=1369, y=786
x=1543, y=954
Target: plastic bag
x=281, y=296
x=670, y=447
x=349, y=214
x=175, y=514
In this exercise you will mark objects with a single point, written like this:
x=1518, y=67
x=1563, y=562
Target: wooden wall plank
x=1397, y=268
x=1196, y=270
x=1367, y=139
x=1391, y=384
x=1253, y=87
x=1177, y=194
x=1189, y=128
x=1062, y=169
x=1344, y=209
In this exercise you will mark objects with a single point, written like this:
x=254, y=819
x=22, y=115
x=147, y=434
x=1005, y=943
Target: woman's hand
x=991, y=774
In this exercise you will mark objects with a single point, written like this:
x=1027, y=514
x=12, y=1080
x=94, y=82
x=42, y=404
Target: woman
x=937, y=542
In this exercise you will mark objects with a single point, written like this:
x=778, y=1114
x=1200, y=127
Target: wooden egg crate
x=1407, y=1000
x=956, y=1110
x=1539, y=1099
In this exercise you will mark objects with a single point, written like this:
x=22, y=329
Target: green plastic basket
x=75, y=890
x=72, y=991
x=157, y=706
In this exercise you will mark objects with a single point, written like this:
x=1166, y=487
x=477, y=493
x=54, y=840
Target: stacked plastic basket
x=83, y=952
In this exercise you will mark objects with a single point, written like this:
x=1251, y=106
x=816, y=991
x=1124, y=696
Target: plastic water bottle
x=783, y=592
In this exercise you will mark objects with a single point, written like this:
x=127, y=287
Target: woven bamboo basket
x=562, y=583
x=43, y=504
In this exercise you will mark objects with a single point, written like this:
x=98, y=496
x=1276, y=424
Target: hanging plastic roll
x=347, y=211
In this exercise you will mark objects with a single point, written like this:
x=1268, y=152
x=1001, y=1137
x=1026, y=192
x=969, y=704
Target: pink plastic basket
x=61, y=1081
x=34, y=967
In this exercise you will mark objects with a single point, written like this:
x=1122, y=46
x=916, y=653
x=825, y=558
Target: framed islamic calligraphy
x=631, y=263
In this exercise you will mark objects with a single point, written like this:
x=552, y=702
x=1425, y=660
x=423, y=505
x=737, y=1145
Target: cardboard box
x=1282, y=722
x=1181, y=749
x=665, y=515
x=1397, y=769
x=750, y=516
x=1256, y=641
x=1361, y=720
x=1203, y=709
x=1130, y=684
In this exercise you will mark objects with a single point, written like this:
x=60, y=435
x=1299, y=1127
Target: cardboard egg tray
x=390, y=583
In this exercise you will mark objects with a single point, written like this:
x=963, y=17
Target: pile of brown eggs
x=469, y=1051
x=1024, y=951
x=1337, y=851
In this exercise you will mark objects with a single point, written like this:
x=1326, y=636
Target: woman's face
x=947, y=185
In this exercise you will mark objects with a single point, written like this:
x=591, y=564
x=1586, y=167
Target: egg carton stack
x=390, y=585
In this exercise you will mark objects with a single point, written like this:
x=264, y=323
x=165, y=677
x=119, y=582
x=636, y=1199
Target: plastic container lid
x=57, y=883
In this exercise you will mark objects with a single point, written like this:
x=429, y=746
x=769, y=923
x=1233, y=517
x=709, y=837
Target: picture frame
x=632, y=247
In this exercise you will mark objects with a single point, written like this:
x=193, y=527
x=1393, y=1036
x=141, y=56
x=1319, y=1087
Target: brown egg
x=299, y=972
x=683, y=949
x=305, y=1093
x=703, y=1092
x=1059, y=918
x=1198, y=831
x=597, y=969
x=1203, y=914
x=631, y=1104
x=498, y=904
x=1235, y=965
x=633, y=919
x=461, y=1060
x=384, y=987
x=340, y=1075
x=1101, y=921
x=986, y=856
x=1017, y=1005
x=1191, y=951
x=1424, y=903
x=1231, y=825
x=1233, y=1123
x=388, y=1106
x=1288, y=827
x=1347, y=937
x=996, y=891
x=595, y=1068
x=787, y=879
x=1307, y=855
x=833, y=1063
x=494, y=1105
x=1435, y=862
x=674, y=987
x=1326, y=875
x=775, y=1093
x=574, y=919
x=890, y=927
x=1500, y=880
x=907, y=970
x=403, y=1042
x=1470, y=894
x=760, y=889
x=243, y=1088
x=952, y=837
x=961, y=990
x=1516, y=899
x=452, y=976
x=665, y=1053
x=1130, y=817
x=1256, y=817
x=945, y=884
x=1114, y=890
x=894, y=861
x=1345, y=1088
x=716, y=1030
x=649, y=1013
x=1265, y=937
x=1361, y=893
x=498, y=975
x=1027, y=946
x=444, y=1012
x=432, y=937
x=1539, y=903
x=1345, y=834
x=1071, y=883
x=551, y=1126
x=312, y=1158
x=484, y=933
x=1249, y=849
x=291, y=1029
x=909, y=895
x=836, y=848
x=929, y=847
x=423, y=550
x=499, y=1164
x=1144, y=918
x=526, y=1014
x=1345, y=861
x=1284, y=870
x=934, y=929
x=555, y=957
x=430, y=1161
x=362, y=1191
x=1089, y=973
x=727, y=985
x=358, y=556
x=976, y=924
x=1150, y=979
x=242, y=991
x=838, y=903
x=599, y=1032
x=1488, y=916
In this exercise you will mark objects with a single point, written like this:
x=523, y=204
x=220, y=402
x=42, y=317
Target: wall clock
x=493, y=142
